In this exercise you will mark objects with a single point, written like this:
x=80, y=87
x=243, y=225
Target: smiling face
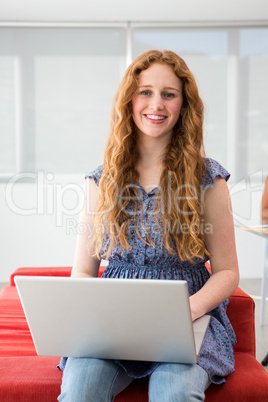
x=157, y=103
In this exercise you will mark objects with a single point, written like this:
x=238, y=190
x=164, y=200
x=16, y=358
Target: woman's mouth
x=155, y=118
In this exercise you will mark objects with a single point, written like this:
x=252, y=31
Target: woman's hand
x=193, y=309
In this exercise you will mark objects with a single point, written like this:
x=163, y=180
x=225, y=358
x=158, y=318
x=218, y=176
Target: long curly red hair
x=180, y=193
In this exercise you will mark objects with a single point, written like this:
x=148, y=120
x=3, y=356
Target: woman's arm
x=264, y=204
x=85, y=265
x=221, y=245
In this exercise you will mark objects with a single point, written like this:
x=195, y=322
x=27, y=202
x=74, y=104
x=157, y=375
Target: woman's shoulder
x=213, y=169
x=95, y=174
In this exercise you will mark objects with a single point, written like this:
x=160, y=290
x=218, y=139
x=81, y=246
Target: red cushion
x=15, y=337
x=249, y=383
x=241, y=312
x=37, y=379
x=29, y=379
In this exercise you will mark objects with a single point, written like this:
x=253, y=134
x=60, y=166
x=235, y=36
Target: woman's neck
x=150, y=162
x=151, y=152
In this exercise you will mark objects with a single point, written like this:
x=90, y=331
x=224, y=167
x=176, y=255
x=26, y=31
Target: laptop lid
x=109, y=318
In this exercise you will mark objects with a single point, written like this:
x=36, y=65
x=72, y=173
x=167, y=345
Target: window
x=253, y=101
x=57, y=87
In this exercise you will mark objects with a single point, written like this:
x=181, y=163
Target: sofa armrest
x=241, y=312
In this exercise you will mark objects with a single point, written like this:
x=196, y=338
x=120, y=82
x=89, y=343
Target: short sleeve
x=213, y=170
x=95, y=174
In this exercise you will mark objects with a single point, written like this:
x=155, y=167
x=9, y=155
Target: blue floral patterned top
x=154, y=262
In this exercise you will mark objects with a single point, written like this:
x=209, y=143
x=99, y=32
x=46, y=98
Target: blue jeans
x=97, y=380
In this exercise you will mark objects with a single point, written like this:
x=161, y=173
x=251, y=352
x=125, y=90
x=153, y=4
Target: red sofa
x=26, y=377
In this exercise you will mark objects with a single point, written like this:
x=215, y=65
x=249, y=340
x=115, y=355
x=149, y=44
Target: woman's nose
x=156, y=102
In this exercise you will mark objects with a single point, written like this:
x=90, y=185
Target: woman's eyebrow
x=172, y=89
x=165, y=88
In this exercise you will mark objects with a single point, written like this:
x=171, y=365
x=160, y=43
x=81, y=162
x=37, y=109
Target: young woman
x=158, y=209
x=264, y=204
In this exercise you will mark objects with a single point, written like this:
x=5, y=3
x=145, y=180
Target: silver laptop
x=130, y=319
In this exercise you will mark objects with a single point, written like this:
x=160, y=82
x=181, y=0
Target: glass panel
x=253, y=118
x=206, y=54
x=76, y=75
x=57, y=87
x=7, y=104
x=65, y=82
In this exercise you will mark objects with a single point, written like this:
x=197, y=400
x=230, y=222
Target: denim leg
x=178, y=383
x=92, y=380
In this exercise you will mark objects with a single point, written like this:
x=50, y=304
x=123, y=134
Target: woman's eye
x=145, y=92
x=168, y=95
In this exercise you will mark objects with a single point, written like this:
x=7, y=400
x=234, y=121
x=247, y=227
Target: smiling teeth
x=155, y=117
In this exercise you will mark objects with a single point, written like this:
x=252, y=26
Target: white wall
x=246, y=201
x=38, y=239
x=138, y=10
